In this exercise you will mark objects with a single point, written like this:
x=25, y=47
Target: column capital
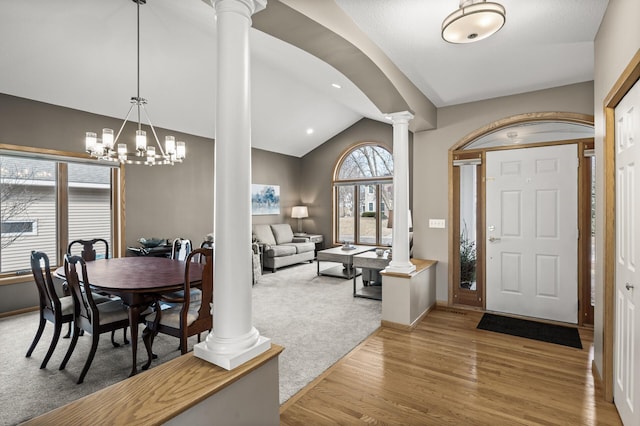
x=244, y=7
x=400, y=117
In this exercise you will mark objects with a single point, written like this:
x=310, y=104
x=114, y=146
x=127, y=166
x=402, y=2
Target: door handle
x=628, y=286
x=493, y=239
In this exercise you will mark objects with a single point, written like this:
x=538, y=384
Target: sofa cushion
x=283, y=250
x=302, y=247
x=282, y=232
x=263, y=234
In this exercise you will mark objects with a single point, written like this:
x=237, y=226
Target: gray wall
x=161, y=201
x=618, y=39
x=430, y=150
x=268, y=168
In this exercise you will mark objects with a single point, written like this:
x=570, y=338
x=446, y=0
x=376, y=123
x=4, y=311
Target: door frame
x=625, y=82
x=456, y=153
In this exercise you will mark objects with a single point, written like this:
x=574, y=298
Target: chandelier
x=475, y=20
x=107, y=148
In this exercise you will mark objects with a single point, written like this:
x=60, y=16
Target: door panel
x=532, y=230
x=627, y=332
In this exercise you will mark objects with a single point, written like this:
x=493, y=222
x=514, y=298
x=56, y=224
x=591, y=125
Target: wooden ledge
x=421, y=265
x=154, y=396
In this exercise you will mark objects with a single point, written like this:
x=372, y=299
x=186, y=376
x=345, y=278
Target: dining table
x=137, y=281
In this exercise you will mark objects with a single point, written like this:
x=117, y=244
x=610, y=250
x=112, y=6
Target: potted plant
x=467, y=260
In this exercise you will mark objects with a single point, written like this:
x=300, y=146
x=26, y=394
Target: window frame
x=62, y=159
x=355, y=183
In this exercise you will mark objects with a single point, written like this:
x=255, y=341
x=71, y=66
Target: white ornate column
x=400, y=262
x=233, y=340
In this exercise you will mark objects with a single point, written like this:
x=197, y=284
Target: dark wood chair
x=57, y=310
x=185, y=317
x=89, y=253
x=90, y=316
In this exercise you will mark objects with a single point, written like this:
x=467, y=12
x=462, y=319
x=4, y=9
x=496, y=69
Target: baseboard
x=18, y=312
x=407, y=327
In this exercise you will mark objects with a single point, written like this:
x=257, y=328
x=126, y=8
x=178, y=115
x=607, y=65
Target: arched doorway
x=469, y=235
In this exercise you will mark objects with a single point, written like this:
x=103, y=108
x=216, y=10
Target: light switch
x=436, y=223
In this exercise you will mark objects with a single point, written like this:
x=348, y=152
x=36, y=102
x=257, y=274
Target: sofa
x=279, y=246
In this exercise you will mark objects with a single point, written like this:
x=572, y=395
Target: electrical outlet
x=436, y=223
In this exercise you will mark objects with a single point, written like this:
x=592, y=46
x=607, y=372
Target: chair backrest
x=205, y=257
x=180, y=249
x=85, y=306
x=88, y=252
x=42, y=276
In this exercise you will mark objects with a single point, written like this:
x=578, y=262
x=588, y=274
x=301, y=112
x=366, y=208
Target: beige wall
x=616, y=42
x=430, y=150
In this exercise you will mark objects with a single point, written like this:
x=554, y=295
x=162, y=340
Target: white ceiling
x=82, y=55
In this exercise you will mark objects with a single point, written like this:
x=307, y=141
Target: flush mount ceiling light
x=475, y=20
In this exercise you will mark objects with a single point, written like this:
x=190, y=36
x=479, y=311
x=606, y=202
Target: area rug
x=552, y=333
x=316, y=319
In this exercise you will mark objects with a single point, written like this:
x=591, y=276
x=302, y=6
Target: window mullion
x=62, y=210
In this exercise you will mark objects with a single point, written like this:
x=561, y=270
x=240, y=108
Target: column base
x=400, y=268
x=231, y=361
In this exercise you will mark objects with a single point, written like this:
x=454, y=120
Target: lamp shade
x=298, y=212
x=473, y=21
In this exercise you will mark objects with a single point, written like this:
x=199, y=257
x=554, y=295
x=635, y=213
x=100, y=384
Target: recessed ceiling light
x=336, y=85
x=309, y=131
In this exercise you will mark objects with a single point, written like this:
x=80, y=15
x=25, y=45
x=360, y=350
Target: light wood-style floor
x=447, y=372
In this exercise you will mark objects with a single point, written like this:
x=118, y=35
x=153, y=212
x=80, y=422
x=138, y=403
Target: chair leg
x=124, y=335
x=113, y=341
x=72, y=345
x=94, y=346
x=36, y=338
x=54, y=341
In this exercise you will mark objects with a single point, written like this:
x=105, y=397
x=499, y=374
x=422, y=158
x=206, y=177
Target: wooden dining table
x=138, y=281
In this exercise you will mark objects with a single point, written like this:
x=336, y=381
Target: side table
x=317, y=239
x=371, y=265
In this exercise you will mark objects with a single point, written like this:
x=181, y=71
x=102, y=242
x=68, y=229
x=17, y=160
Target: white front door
x=626, y=356
x=532, y=232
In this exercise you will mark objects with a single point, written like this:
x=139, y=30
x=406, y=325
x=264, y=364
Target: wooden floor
x=448, y=372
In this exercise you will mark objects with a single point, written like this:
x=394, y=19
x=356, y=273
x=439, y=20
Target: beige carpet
x=315, y=318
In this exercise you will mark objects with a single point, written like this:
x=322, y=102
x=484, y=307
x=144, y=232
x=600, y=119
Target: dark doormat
x=552, y=333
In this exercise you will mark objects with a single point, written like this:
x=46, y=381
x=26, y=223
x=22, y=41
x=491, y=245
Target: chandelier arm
x=153, y=130
x=115, y=141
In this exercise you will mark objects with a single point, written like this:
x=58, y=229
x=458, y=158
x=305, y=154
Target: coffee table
x=340, y=255
x=371, y=264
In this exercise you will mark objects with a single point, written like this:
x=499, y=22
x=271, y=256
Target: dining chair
x=184, y=317
x=180, y=248
x=94, y=318
x=57, y=310
x=88, y=253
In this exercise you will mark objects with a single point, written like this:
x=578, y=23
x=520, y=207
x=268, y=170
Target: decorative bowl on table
x=152, y=242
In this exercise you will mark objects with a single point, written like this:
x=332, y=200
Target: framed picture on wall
x=265, y=199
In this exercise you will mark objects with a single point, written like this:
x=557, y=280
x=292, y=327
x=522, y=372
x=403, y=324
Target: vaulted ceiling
x=386, y=56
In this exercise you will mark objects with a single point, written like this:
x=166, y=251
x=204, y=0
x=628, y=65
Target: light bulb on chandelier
x=107, y=147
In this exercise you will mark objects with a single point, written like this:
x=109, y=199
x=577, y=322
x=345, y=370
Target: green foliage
x=467, y=258
x=368, y=214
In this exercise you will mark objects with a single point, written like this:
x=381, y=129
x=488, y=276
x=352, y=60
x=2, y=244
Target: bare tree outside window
x=16, y=198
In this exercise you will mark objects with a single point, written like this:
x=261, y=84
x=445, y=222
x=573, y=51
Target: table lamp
x=299, y=212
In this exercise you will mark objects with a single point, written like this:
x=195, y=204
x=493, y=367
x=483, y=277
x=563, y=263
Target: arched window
x=363, y=195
